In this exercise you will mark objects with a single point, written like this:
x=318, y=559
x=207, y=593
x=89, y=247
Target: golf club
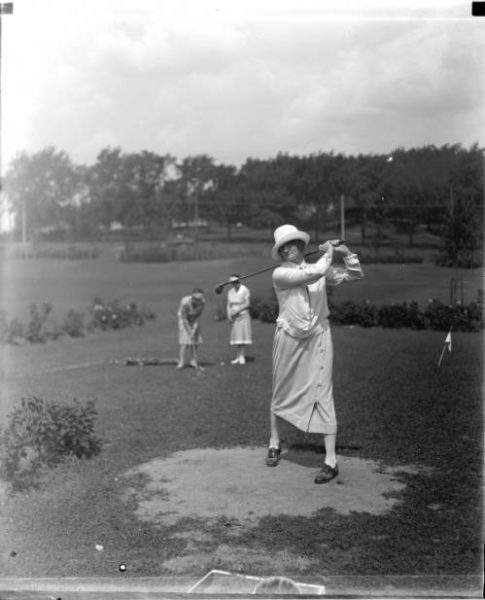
x=220, y=287
x=198, y=368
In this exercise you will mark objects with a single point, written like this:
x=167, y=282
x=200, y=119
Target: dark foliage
x=36, y=327
x=73, y=324
x=389, y=259
x=115, y=315
x=104, y=315
x=40, y=434
x=364, y=313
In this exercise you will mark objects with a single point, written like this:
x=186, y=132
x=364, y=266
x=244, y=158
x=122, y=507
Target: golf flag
x=447, y=346
x=448, y=341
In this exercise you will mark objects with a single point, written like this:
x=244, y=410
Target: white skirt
x=241, y=329
x=184, y=337
x=302, y=381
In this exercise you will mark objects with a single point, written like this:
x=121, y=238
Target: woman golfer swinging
x=302, y=346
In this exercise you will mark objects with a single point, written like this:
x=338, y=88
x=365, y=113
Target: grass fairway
x=74, y=284
x=394, y=406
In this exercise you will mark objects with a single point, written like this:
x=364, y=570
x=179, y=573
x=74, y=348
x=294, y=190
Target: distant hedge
x=389, y=259
x=435, y=315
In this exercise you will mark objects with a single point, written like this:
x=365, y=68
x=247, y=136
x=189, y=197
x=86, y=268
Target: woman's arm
x=286, y=277
x=228, y=310
x=183, y=314
x=351, y=270
x=243, y=304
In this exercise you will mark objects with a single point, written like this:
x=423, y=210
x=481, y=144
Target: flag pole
x=442, y=354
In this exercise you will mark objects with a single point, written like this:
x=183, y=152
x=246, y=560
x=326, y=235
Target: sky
x=238, y=79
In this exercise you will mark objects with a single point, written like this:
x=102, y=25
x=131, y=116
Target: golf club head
x=219, y=288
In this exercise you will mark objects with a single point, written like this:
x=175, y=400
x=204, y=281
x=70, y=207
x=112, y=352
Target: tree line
x=149, y=192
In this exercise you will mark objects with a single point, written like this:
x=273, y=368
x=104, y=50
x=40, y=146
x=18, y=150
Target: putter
x=198, y=368
x=220, y=287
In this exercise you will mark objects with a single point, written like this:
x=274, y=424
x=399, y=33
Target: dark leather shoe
x=273, y=457
x=326, y=474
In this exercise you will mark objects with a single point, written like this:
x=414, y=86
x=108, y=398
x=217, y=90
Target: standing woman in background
x=188, y=315
x=238, y=300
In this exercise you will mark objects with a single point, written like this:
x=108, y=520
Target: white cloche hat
x=284, y=234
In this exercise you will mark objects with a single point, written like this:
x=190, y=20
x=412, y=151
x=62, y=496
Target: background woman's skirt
x=184, y=337
x=241, y=330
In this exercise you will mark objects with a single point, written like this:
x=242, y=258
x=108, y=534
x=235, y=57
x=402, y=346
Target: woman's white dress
x=241, y=332
x=302, y=346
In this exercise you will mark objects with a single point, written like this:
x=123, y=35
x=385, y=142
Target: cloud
x=235, y=83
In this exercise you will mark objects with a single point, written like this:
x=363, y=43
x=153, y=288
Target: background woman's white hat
x=287, y=233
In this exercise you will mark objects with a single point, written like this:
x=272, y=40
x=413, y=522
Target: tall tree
x=38, y=187
x=196, y=174
x=107, y=186
x=222, y=198
x=143, y=202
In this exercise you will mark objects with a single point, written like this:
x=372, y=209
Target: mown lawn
x=394, y=405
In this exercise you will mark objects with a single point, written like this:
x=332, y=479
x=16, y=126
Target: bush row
x=59, y=252
x=188, y=251
x=389, y=259
x=41, y=327
x=211, y=251
x=435, y=315
x=462, y=261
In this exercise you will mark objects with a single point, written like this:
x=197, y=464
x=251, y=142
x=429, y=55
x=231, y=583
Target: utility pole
x=6, y=8
x=342, y=217
x=196, y=213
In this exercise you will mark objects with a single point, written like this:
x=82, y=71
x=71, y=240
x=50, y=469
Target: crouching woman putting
x=302, y=346
x=189, y=334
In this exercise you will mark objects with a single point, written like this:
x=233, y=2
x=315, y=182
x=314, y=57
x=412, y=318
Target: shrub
x=362, y=313
x=147, y=254
x=14, y=332
x=269, y=312
x=255, y=307
x=114, y=315
x=401, y=315
x=461, y=318
x=366, y=314
x=264, y=310
x=389, y=259
x=111, y=315
x=220, y=313
x=36, y=332
x=10, y=331
x=461, y=260
x=56, y=252
x=189, y=250
x=75, y=253
x=41, y=434
x=73, y=324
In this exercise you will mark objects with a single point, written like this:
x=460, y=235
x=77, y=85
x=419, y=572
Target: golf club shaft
x=221, y=286
x=194, y=354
